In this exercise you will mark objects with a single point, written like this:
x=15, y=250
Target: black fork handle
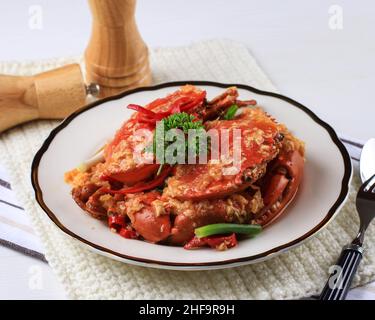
x=342, y=273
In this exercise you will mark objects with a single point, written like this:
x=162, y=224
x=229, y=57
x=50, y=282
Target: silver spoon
x=343, y=272
x=367, y=163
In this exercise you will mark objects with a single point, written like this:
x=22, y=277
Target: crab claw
x=189, y=215
x=281, y=184
x=184, y=225
x=151, y=227
x=87, y=197
x=220, y=103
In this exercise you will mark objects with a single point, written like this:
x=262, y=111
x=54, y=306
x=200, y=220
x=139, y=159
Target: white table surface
x=330, y=71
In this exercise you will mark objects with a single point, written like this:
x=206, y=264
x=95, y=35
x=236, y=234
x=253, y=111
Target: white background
x=330, y=71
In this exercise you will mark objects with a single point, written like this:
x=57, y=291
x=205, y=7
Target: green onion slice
x=87, y=164
x=222, y=228
x=231, y=112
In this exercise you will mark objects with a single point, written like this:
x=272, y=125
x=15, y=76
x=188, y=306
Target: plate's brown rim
x=341, y=198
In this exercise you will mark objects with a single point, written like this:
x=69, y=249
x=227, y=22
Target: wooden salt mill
x=49, y=95
x=116, y=59
x=116, y=56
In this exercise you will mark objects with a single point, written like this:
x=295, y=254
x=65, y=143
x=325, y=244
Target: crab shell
x=119, y=153
x=258, y=141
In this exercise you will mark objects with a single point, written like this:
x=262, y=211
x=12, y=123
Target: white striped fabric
x=15, y=228
x=353, y=146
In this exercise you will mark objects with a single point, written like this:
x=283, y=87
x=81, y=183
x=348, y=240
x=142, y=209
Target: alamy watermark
x=35, y=20
x=35, y=277
x=174, y=146
x=336, y=279
x=336, y=17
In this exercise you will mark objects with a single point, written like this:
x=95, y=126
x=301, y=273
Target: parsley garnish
x=184, y=122
x=181, y=121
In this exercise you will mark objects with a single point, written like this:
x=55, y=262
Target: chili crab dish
x=228, y=170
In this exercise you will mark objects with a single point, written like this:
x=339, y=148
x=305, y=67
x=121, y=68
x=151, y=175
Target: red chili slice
x=195, y=243
x=141, y=109
x=161, y=115
x=215, y=242
x=143, y=186
x=158, y=102
x=147, y=120
x=128, y=234
x=194, y=103
x=149, y=116
x=176, y=106
x=180, y=105
x=116, y=222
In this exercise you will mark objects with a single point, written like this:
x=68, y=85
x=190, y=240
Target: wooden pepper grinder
x=116, y=56
x=49, y=95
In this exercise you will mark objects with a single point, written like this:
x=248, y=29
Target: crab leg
x=281, y=184
x=150, y=226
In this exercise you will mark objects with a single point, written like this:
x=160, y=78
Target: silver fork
x=343, y=272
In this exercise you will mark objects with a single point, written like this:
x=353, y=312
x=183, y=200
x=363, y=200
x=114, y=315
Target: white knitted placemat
x=298, y=273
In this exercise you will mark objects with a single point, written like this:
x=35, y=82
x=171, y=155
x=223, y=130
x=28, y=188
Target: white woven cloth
x=298, y=273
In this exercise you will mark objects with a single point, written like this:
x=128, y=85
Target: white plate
x=323, y=190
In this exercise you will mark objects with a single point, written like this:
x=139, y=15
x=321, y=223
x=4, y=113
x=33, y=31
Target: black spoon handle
x=342, y=273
